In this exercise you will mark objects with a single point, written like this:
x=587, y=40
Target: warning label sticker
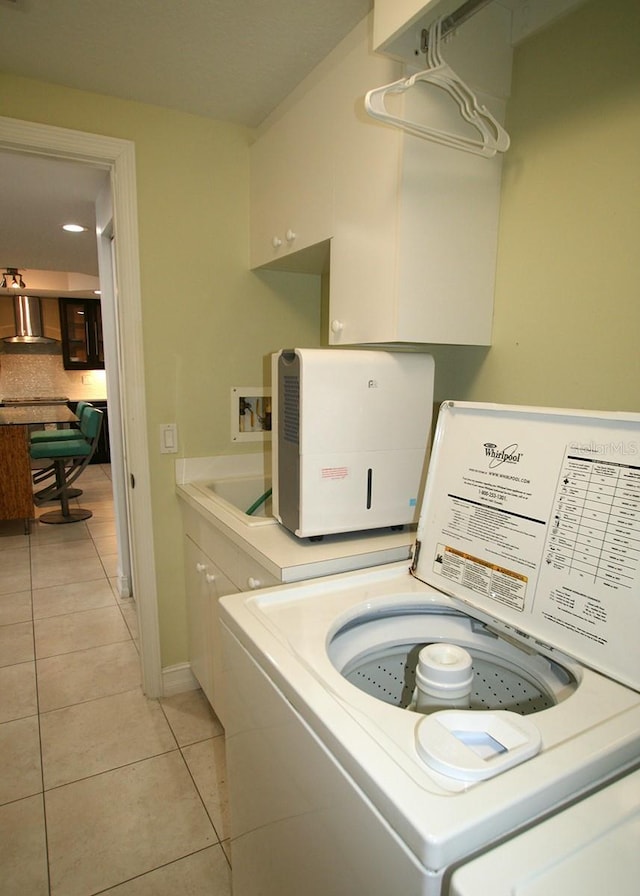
x=482, y=577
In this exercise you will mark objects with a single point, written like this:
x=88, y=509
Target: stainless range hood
x=27, y=312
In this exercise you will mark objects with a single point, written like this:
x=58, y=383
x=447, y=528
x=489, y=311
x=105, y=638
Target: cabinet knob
x=291, y=236
x=336, y=326
x=200, y=567
x=276, y=242
x=253, y=583
x=210, y=578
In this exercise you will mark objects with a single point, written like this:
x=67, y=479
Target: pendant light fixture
x=12, y=278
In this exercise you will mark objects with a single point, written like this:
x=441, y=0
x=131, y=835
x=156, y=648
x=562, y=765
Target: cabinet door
x=416, y=223
x=199, y=617
x=363, y=251
x=218, y=585
x=81, y=330
x=251, y=575
x=291, y=186
x=424, y=273
x=205, y=585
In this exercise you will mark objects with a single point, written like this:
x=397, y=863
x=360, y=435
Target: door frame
x=106, y=269
x=118, y=158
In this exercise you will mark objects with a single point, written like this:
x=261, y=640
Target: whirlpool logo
x=498, y=456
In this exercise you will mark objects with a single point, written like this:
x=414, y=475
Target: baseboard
x=178, y=679
x=123, y=584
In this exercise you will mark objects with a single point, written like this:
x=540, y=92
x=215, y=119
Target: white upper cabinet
x=412, y=226
x=291, y=185
x=398, y=24
x=416, y=224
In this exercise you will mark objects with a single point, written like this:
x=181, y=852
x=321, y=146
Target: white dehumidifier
x=350, y=436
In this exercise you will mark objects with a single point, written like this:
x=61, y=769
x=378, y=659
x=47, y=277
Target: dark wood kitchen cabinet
x=81, y=330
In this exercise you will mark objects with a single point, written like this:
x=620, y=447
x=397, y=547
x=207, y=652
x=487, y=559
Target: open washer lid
x=532, y=517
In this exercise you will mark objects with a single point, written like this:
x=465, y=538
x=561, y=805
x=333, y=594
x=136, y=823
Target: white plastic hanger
x=492, y=136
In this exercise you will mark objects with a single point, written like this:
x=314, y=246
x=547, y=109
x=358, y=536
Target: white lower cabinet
x=214, y=566
x=206, y=584
x=199, y=616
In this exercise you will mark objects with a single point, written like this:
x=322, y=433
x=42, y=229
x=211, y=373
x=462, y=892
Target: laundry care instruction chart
x=533, y=515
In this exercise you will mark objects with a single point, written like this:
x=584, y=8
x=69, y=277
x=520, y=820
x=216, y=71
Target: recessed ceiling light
x=74, y=228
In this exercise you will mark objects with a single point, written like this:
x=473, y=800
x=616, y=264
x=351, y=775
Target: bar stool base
x=39, y=499
x=73, y=516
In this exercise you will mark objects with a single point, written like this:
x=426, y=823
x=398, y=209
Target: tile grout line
x=186, y=764
x=158, y=867
x=106, y=771
x=37, y=697
x=38, y=714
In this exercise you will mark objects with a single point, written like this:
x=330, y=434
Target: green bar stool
x=69, y=458
x=39, y=436
x=54, y=435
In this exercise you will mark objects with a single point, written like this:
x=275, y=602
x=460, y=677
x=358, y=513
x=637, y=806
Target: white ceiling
x=233, y=60
x=229, y=59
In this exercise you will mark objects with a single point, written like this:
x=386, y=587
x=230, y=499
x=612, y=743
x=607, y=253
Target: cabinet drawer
x=214, y=544
x=245, y=573
x=250, y=575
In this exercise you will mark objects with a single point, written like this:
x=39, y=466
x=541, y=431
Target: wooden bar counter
x=16, y=486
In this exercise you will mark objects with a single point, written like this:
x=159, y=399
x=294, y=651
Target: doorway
x=119, y=251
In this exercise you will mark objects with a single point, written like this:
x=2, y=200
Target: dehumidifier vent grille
x=291, y=409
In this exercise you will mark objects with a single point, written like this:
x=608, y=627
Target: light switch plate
x=168, y=438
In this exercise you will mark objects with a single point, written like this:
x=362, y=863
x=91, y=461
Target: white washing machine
x=515, y=633
x=587, y=850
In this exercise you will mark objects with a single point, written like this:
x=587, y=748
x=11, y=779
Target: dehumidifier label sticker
x=334, y=472
x=480, y=576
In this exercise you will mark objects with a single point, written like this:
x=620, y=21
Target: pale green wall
x=567, y=312
x=208, y=322
x=567, y=315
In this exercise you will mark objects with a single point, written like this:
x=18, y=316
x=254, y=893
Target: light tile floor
x=101, y=789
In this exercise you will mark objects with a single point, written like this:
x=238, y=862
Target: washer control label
x=534, y=517
x=594, y=532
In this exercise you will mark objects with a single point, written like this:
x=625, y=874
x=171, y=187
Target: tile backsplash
x=24, y=375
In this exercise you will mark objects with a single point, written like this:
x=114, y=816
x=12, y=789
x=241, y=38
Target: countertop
x=20, y=415
x=288, y=558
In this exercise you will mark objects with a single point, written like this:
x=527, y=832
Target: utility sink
x=237, y=494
